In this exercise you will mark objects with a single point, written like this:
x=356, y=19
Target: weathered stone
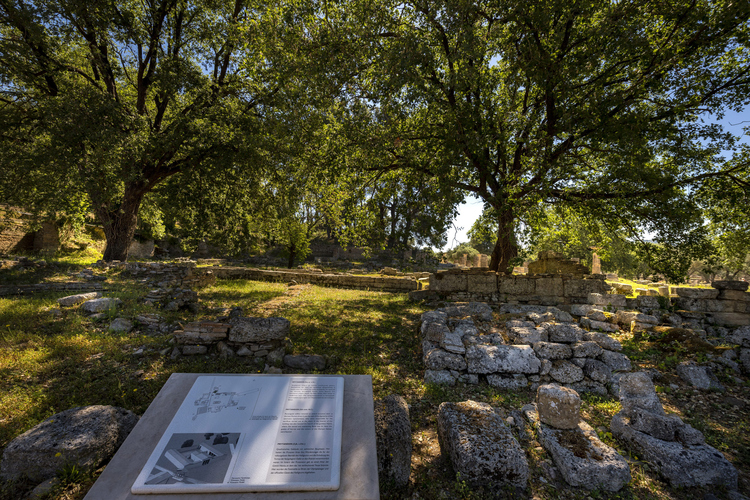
x=434, y=331
x=83, y=436
x=696, y=293
x=72, y=300
x=258, y=329
x=502, y=359
x=512, y=382
x=440, y=377
x=625, y=318
x=202, y=332
x=586, y=349
x=689, y=436
x=597, y=371
x=538, y=318
x=612, y=300
x=681, y=466
x=551, y=350
x=193, y=350
x=603, y=340
x=482, y=283
x=581, y=309
x=597, y=315
x=244, y=351
x=516, y=285
x=740, y=336
x=645, y=302
x=731, y=285
x=224, y=350
x=528, y=336
x=437, y=359
x=452, y=343
x=393, y=439
x=444, y=281
x=565, y=333
x=590, y=386
x=600, y=467
x=638, y=391
x=616, y=361
x=563, y=316
x=698, y=376
x=101, y=305
x=305, y=362
x=481, y=448
x=603, y=326
x=745, y=360
x=662, y=427
x=565, y=372
x=552, y=286
x=468, y=378
x=558, y=406
x=730, y=319
x=546, y=367
x=582, y=288
x=121, y=325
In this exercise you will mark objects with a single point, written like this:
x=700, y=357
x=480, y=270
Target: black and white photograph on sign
x=195, y=458
x=275, y=433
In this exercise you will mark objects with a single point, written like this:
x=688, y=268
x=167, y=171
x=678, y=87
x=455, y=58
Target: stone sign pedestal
x=359, y=465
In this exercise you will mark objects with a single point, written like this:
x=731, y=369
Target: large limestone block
x=552, y=350
x=85, y=436
x=565, y=372
x=603, y=340
x=516, y=285
x=449, y=282
x=606, y=299
x=616, y=361
x=566, y=333
x=482, y=283
x=101, y=305
x=481, y=448
x=625, y=318
x=393, y=439
x=597, y=371
x=586, y=349
x=502, y=359
x=638, y=391
x=740, y=286
x=258, y=329
x=682, y=466
x=527, y=335
x=645, y=302
x=731, y=318
x=664, y=427
x=549, y=287
x=696, y=293
x=740, y=336
x=582, y=288
x=72, y=300
x=698, y=376
x=583, y=459
x=437, y=359
x=558, y=406
x=510, y=382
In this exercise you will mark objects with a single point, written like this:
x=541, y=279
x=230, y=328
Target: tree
x=114, y=97
x=592, y=105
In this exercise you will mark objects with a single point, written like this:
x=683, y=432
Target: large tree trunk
x=292, y=255
x=119, y=222
x=505, y=247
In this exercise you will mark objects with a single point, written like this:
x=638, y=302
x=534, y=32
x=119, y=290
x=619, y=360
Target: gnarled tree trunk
x=119, y=222
x=506, y=248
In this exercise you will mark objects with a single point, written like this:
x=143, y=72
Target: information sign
x=250, y=433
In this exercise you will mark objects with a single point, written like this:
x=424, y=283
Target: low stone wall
x=171, y=274
x=488, y=286
x=49, y=287
x=332, y=280
x=726, y=304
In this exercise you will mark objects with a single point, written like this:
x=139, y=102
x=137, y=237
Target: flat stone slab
x=583, y=459
x=258, y=329
x=85, y=436
x=480, y=446
x=359, y=464
x=682, y=466
x=502, y=359
x=100, y=305
x=393, y=431
x=72, y=300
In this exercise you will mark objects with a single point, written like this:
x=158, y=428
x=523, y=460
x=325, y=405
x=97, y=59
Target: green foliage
x=463, y=248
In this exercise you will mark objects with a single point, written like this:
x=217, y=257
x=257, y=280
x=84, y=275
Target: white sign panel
x=250, y=433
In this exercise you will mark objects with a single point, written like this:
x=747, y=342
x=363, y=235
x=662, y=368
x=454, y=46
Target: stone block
x=73, y=300
x=305, y=362
x=516, y=285
x=509, y=382
x=662, y=427
x=701, y=377
x=435, y=358
x=565, y=372
x=101, y=305
x=696, y=293
x=482, y=283
x=449, y=282
x=616, y=361
x=647, y=302
x=393, y=438
x=575, y=287
x=480, y=446
x=731, y=318
x=606, y=299
x=740, y=336
x=502, y=359
x=258, y=329
x=638, y=391
x=121, y=325
x=565, y=332
x=558, y=406
x=552, y=350
x=591, y=465
x=83, y=436
x=581, y=309
x=194, y=350
x=586, y=349
x=731, y=285
x=439, y=377
x=681, y=466
x=597, y=371
x=549, y=287
x=526, y=335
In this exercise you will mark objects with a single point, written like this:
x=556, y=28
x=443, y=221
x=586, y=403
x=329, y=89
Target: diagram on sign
x=216, y=401
x=192, y=458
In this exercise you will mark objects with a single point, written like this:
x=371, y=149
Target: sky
x=470, y=210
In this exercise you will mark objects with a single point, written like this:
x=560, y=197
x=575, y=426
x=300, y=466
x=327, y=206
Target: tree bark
x=119, y=222
x=292, y=254
x=505, y=247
